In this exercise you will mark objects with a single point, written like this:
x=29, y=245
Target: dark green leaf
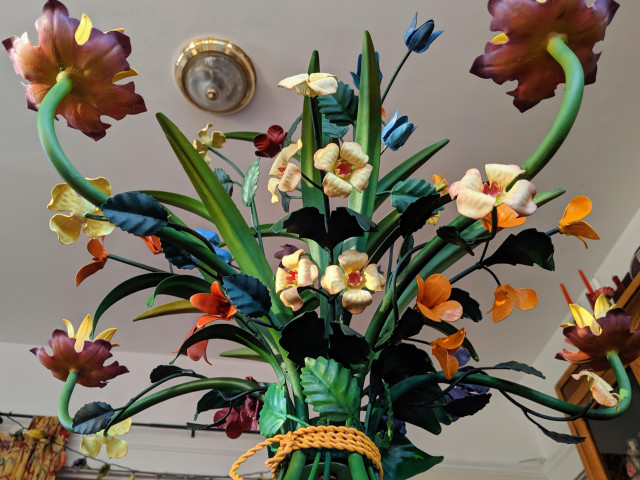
x=181, y=286
x=250, y=183
x=525, y=248
x=333, y=130
x=463, y=407
x=402, y=460
x=331, y=390
x=520, y=367
x=224, y=179
x=292, y=129
x=163, y=371
x=92, y=418
x=274, y=411
x=104, y=471
x=347, y=346
x=470, y=308
x=246, y=136
x=560, y=437
x=409, y=325
x=178, y=257
x=198, y=426
x=304, y=336
x=406, y=245
x=247, y=294
x=417, y=214
x=285, y=201
x=405, y=192
x=341, y=107
x=450, y=234
x=135, y=213
x=217, y=398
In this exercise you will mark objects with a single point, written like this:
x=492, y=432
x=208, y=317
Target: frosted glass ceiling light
x=215, y=75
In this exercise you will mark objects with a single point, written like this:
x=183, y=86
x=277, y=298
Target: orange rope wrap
x=328, y=437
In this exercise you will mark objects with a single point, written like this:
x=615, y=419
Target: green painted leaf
x=126, y=288
x=135, y=213
x=181, y=201
x=520, y=367
x=405, y=192
x=182, y=286
x=246, y=136
x=92, y=418
x=527, y=247
x=340, y=108
x=451, y=235
x=304, y=336
x=217, y=398
x=171, y=308
x=292, y=130
x=466, y=406
x=331, y=390
x=470, y=308
x=163, y=371
x=402, y=460
x=348, y=347
x=332, y=130
x=558, y=437
x=250, y=183
x=405, y=170
x=274, y=410
x=417, y=213
x=545, y=197
x=247, y=294
x=224, y=179
x=243, y=353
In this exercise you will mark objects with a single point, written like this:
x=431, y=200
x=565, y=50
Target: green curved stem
x=296, y=465
x=63, y=402
x=535, y=396
x=393, y=77
x=356, y=467
x=52, y=148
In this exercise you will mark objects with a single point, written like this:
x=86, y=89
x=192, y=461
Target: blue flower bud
x=356, y=76
x=397, y=131
x=419, y=39
x=214, y=240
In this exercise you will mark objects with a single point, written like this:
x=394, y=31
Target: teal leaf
x=417, y=213
x=330, y=389
x=224, y=179
x=470, y=308
x=92, y=418
x=274, y=410
x=402, y=460
x=520, y=367
x=250, y=183
x=340, y=108
x=405, y=192
x=450, y=234
x=528, y=247
x=247, y=294
x=135, y=213
x=332, y=130
x=292, y=130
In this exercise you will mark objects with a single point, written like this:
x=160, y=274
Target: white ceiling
x=599, y=158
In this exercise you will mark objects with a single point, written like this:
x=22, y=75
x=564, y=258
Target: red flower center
x=282, y=169
x=343, y=169
x=292, y=277
x=354, y=279
x=494, y=189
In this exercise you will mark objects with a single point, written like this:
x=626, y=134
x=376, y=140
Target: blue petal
x=209, y=235
x=411, y=28
x=356, y=78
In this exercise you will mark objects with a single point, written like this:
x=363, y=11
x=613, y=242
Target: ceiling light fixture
x=215, y=75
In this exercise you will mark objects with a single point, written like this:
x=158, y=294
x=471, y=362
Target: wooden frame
x=578, y=392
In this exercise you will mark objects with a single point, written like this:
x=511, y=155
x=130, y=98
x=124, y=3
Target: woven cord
x=328, y=437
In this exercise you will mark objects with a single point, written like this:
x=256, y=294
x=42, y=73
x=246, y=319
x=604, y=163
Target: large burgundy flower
x=93, y=62
x=520, y=51
x=241, y=418
x=592, y=349
x=88, y=362
x=269, y=144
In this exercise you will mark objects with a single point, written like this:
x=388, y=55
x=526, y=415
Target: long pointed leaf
x=246, y=136
x=367, y=134
x=171, y=308
x=181, y=201
x=225, y=332
x=182, y=286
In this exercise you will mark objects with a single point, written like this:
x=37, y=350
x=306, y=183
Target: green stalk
x=405, y=386
x=314, y=467
x=134, y=263
x=356, y=467
x=296, y=465
x=395, y=74
x=63, y=402
x=52, y=148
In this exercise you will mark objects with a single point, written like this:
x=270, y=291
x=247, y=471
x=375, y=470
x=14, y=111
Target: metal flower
x=285, y=175
x=100, y=255
x=506, y=297
x=297, y=272
x=571, y=223
x=314, y=85
x=396, y=133
x=75, y=352
x=433, y=299
x=356, y=76
x=269, y=144
x=116, y=447
x=420, y=39
x=444, y=349
x=214, y=240
x=616, y=336
x=519, y=52
x=204, y=141
x=92, y=59
x=600, y=390
x=215, y=305
x=347, y=168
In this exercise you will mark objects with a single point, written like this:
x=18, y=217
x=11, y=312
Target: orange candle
x=566, y=294
x=586, y=282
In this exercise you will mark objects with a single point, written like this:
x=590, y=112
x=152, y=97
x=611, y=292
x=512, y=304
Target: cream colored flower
x=600, y=389
x=116, y=447
x=351, y=277
x=316, y=84
x=204, y=141
x=297, y=272
x=64, y=198
x=347, y=168
x=285, y=175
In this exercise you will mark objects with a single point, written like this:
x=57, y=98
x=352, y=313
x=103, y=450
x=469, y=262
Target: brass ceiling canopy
x=215, y=75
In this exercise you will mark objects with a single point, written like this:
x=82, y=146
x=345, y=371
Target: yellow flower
x=285, y=175
x=440, y=184
x=352, y=278
x=204, y=141
x=64, y=198
x=584, y=319
x=82, y=335
x=600, y=389
x=316, y=84
x=347, y=168
x=116, y=447
x=297, y=272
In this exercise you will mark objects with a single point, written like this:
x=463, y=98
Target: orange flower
x=507, y=217
x=440, y=184
x=506, y=297
x=198, y=350
x=153, y=244
x=442, y=349
x=433, y=299
x=571, y=223
x=100, y=255
x=214, y=304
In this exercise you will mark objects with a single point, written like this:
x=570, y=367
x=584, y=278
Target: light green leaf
x=274, y=411
x=250, y=183
x=171, y=308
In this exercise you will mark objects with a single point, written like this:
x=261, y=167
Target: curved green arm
x=549, y=145
x=153, y=399
x=52, y=148
x=540, y=398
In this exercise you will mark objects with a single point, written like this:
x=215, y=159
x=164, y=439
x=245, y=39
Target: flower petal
x=91, y=446
x=360, y=177
x=333, y=280
x=448, y=363
x=520, y=198
x=290, y=178
x=353, y=153
x=471, y=181
x=584, y=319
x=355, y=301
x=116, y=447
x=291, y=298
x=523, y=298
x=373, y=280
x=449, y=311
x=67, y=227
x=578, y=208
x=474, y=204
x=503, y=175
x=326, y=158
x=353, y=260
x=334, y=186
